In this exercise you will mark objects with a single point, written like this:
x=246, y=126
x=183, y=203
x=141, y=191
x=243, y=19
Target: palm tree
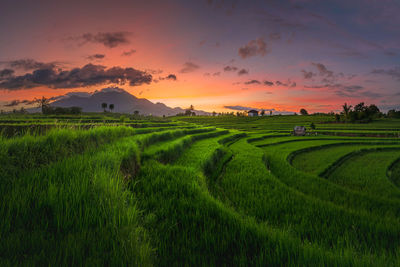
x=346, y=110
x=111, y=107
x=104, y=106
x=43, y=103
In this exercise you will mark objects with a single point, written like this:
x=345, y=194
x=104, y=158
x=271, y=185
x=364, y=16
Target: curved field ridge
x=393, y=172
x=365, y=170
x=316, y=159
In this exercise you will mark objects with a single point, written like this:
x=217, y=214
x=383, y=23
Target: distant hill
x=123, y=102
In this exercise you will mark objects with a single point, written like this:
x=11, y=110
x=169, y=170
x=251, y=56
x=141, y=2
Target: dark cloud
x=240, y=108
x=394, y=72
x=230, y=68
x=252, y=82
x=4, y=73
x=88, y=75
x=308, y=74
x=17, y=102
x=347, y=88
x=243, y=72
x=323, y=71
x=171, y=77
x=268, y=83
x=370, y=94
x=349, y=91
x=28, y=64
x=212, y=74
x=189, y=67
x=12, y=103
x=96, y=56
x=288, y=83
x=128, y=53
x=254, y=48
x=108, y=39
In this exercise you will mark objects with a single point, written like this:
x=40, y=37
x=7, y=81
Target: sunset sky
x=221, y=55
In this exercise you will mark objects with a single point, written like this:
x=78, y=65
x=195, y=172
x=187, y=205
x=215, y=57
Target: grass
x=96, y=190
x=371, y=177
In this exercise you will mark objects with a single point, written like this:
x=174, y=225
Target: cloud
x=212, y=74
x=308, y=74
x=12, y=103
x=4, y=73
x=28, y=64
x=288, y=83
x=171, y=77
x=189, y=67
x=230, y=68
x=252, y=82
x=17, y=102
x=268, y=83
x=88, y=75
x=243, y=72
x=128, y=53
x=394, y=72
x=96, y=56
x=240, y=108
x=253, y=48
x=370, y=94
x=108, y=39
x=323, y=71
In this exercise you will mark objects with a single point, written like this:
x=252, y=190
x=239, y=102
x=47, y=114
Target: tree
x=337, y=117
x=111, y=107
x=262, y=112
x=214, y=113
x=44, y=104
x=303, y=111
x=270, y=112
x=312, y=126
x=104, y=106
x=360, y=107
x=346, y=110
x=189, y=111
x=136, y=112
x=373, y=110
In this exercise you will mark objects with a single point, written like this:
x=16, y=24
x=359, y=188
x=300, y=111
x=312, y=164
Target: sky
x=218, y=55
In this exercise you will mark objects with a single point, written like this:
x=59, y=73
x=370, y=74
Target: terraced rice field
x=201, y=191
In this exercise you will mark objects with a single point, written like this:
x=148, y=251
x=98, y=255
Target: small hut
x=299, y=130
x=252, y=113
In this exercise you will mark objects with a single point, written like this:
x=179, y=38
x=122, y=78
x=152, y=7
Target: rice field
x=198, y=191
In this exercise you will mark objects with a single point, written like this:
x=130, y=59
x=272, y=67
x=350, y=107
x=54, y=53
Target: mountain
x=123, y=102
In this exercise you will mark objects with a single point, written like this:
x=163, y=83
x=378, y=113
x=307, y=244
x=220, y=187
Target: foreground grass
x=180, y=194
x=74, y=212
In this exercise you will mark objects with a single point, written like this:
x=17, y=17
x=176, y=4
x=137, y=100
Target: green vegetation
x=113, y=189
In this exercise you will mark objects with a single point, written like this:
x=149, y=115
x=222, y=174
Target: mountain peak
x=123, y=102
x=110, y=90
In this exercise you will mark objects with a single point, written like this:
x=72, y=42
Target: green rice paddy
x=198, y=191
